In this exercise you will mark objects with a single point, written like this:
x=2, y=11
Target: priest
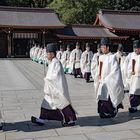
x=75, y=61
x=66, y=59
x=121, y=55
x=56, y=104
x=110, y=92
x=60, y=53
x=134, y=73
x=86, y=63
x=95, y=63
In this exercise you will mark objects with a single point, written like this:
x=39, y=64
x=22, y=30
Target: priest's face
x=61, y=49
x=68, y=48
x=88, y=48
x=104, y=49
x=137, y=50
x=99, y=50
x=50, y=55
x=77, y=47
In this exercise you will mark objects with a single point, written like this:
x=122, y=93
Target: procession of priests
x=113, y=76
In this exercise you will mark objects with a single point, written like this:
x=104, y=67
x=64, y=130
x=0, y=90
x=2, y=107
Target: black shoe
x=34, y=120
x=68, y=124
x=103, y=116
x=126, y=91
x=1, y=127
x=132, y=110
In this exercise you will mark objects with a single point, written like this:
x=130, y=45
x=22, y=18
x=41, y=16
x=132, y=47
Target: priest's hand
x=99, y=77
x=132, y=73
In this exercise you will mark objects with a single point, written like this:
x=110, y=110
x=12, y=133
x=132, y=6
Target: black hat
x=105, y=41
x=51, y=47
x=98, y=46
x=136, y=44
x=120, y=47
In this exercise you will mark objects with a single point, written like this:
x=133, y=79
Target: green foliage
x=76, y=11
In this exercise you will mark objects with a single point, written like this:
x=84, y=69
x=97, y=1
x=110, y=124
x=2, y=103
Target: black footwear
x=67, y=124
x=132, y=110
x=103, y=116
x=126, y=91
x=1, y=127
x=34, y=120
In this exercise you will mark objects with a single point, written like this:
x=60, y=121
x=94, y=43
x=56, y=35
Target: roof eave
x=31, y=27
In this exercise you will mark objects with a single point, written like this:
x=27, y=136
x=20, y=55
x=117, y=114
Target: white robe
x=39, y=53
x=32, y=52
x=121, y=61
x=134, y=79
x=125, y=70
x=94, y=66
x=35, y=53
x=65, y=59
x=75, y=59
x=110, y=84
x=59, y=55
x=56, y=88
x=85, y=62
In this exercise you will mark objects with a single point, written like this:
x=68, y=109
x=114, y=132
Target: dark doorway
x=21, y=47
x=3, y=45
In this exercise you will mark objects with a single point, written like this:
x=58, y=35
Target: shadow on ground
x=27, y=126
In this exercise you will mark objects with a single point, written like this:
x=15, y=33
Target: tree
x=3, y=2
x=76, y=11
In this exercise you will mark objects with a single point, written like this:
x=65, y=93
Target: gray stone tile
x=74, y=137
x=118, y=135
x=29, y=135
x=69, y=130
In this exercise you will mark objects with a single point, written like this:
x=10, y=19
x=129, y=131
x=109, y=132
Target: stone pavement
x=21, y=93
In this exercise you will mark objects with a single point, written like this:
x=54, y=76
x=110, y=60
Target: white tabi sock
x=40, y=120
x=70, y=122
x=134, y=108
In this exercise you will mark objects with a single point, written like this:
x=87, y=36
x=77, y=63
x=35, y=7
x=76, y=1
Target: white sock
x=40, y=120
x=134, y=108
x=71, y=122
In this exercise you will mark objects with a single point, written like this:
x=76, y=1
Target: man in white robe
x=35, y=53
x=75, y=61
x=39, y=54
x=56, y=104
x=65, y=59
x=43, y=57
x=86, y=63
x=134, y=74
x=120, y=55
x=32, y=51
x=95, y=63
x=110, y=92
x=60, y=53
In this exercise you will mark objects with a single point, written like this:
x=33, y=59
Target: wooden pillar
x=12, y=45
x=9, y=43
x=43, y=38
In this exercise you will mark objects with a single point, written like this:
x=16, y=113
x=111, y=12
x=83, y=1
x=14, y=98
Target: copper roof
x=29, y=18
x=119, y=20
x=85, y=32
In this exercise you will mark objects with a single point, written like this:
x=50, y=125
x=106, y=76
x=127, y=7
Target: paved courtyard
x=21, y=94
